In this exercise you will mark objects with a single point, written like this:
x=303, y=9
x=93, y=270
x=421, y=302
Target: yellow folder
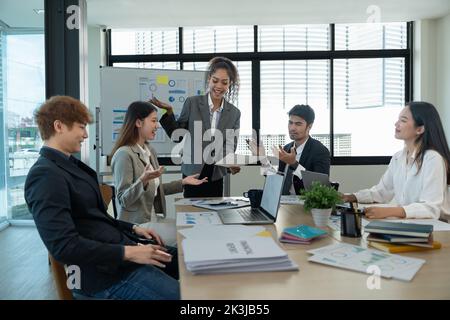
x=397, y=248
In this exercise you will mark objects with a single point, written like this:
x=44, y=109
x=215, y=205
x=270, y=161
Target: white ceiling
x=20, y=14
x=174, y=13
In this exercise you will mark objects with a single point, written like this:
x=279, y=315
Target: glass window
x=368, y=96
x=3, y=149
x=25, y=91
x=149, y=65
x=366, y=36
x=293, y=38
x=244, y=103
x=285, y=84
x=363, y=88
x=218, y=39
x=152, y=41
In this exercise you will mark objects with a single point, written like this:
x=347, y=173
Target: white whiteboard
x=121, y=86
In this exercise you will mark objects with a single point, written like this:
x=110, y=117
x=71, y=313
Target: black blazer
x=315, y=157
x=65, y=200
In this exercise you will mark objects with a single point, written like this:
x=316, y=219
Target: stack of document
x=291, y=199
x=396, y=237
x=235, y=255
x=369, y=261
x=208, y=232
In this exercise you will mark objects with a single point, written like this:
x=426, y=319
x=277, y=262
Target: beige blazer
x=134, y=202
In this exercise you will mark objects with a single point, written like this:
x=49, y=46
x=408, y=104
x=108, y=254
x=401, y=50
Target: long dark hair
x=224, y=63
x=129, y=133
x=433, y=137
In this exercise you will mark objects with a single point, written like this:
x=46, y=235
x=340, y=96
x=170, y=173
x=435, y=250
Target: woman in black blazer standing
x=209, y=126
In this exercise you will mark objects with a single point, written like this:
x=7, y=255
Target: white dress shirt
x=422, y=194
x=298, y=171
x=214, y=115
x=268, y=168
x=145, y=153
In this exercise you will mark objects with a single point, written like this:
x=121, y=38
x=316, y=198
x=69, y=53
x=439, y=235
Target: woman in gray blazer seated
x=137, y=174
x=209, y=115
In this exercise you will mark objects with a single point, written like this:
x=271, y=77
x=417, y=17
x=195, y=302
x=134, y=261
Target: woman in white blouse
x=418, y=176
x=135, y=167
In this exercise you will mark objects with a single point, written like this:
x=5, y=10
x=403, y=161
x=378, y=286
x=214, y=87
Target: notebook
x=403, y=229
x=268, y=209
x=389, y=238
x=304, y=232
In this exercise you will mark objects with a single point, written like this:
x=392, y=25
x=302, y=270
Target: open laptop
x=309, y=177
x=267, y=211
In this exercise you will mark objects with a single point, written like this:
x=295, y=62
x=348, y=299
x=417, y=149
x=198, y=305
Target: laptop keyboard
x=249, y=214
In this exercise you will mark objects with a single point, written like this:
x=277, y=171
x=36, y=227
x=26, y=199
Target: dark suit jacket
x=70, y=215
x=196, y=109
x=315, y=157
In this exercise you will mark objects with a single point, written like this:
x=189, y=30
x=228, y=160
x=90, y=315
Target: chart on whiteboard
x=121, y=86
x=172, y=91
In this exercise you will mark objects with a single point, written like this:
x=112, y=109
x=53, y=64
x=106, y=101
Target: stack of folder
x=397, y=237
x=235, y=255
x=301, y=234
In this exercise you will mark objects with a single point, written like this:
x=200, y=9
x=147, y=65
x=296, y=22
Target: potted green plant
x=320, y=200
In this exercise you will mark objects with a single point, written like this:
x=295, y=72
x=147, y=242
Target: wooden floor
x=24, y=270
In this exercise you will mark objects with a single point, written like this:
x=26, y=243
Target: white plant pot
x=321, y=216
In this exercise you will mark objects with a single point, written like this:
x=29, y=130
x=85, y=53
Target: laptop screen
x=272, y=193
x=310, y=176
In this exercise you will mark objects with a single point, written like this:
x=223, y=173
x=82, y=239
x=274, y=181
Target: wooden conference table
x=316, y=281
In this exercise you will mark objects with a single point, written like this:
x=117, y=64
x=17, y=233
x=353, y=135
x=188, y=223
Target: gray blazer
x=134, y=202
x=196, y=109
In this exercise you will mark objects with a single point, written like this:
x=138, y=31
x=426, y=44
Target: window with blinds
x=285, y=84
x=150, y=41
x=218, y=39
x=294, y=38
x=368, y=92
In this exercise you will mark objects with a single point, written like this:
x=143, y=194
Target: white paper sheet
x=233, y=160
x=356, y=258
x=196, y=218
x=207, y=232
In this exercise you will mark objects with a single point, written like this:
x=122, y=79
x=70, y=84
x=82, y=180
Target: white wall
x=350, y=178
x=443, y=71
x=424, y=61
x=95, y=60
x=432, y=65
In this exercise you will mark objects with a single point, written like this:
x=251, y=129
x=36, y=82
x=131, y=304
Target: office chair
x=109, y=194
x=60, y=278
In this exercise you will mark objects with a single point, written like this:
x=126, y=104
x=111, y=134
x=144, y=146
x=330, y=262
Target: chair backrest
x=60, y=277
x=108, y=195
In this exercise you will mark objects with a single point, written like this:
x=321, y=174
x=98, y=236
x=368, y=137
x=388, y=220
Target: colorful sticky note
x=162, y=79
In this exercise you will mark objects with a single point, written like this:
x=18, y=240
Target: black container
x=350, y=223
x=255, y=196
